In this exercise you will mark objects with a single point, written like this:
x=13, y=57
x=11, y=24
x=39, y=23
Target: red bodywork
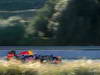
x=24, y=53
x=10, y=56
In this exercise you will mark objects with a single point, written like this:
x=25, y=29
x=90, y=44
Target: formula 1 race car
x=27, y=56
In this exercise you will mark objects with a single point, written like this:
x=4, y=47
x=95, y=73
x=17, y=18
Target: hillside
x=22, y=8
x=72, y=22
x=20, y=4
x=57, y=22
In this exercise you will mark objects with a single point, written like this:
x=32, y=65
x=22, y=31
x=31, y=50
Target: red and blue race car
x=29, y=56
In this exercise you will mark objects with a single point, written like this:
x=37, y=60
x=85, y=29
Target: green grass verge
x=77, y=67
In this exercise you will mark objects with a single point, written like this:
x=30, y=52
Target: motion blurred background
x=50, y=22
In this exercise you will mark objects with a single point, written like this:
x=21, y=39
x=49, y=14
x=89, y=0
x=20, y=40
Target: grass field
x=77, y=67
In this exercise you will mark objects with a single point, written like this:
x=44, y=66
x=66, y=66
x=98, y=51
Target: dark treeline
x=80, y=23
x=59, y=22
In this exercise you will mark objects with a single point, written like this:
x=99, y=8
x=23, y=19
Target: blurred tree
x=39, y=23
x=11, y=31
x=78, y=23
x=66, y=22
